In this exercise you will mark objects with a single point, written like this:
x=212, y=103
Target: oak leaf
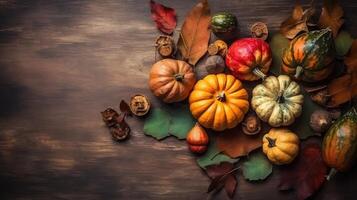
x=297, y=22
x=344, y=88
x=195, y=33
x=331, y=16
x=235, y=143
x=164, y=17
x=307, y=173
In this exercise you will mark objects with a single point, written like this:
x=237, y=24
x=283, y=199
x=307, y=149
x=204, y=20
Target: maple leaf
x=331, y=16
x=235, y=143
x=344, y=88
x=307, y=173
x=222, y=176
x=297, y=22
x=164, y=17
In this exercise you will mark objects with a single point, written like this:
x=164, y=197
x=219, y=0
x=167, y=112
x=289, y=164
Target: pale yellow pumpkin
x=219, y=101
x=278, y=100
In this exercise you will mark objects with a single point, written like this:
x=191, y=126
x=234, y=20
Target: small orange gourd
x=197, y=139
x=219, y=101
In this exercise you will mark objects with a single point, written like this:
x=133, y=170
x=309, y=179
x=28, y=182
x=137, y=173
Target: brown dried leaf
x=235, y=143
x=344, y=88
x=331, y=16
x=297, y=22
x=195, y=33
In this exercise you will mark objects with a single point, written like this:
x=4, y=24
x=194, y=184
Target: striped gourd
x=339, y=148
x=310, y=56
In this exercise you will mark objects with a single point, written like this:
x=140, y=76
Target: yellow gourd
x=280, y=145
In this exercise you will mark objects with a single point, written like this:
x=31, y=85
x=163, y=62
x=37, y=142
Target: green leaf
x=213, y=157
x=256, y=167
x=301, y=126
x=181, y=121
x=277, y=44
x=343, y=43
x=157, y=124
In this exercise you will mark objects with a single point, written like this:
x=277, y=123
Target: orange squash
x=219, y=101
x=171, y=80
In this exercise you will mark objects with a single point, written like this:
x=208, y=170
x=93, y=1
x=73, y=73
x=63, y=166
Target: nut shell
x=139, y=105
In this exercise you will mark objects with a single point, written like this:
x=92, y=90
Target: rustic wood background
x=64, y=61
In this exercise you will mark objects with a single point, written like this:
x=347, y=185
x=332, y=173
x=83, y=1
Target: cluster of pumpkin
x=220, y=101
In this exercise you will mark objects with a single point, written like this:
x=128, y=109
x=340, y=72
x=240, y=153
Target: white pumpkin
x=278, y=100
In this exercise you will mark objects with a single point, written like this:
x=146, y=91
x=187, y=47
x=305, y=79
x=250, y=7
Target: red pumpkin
x=249, y=59
x=197, y=139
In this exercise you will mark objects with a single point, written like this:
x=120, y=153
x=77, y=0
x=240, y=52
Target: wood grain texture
x=64, y=61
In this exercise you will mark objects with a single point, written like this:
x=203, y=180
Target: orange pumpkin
x=171, y=80
x=219, y=101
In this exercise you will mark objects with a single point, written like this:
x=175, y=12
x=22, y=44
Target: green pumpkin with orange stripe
x=339, y=147
x=310, y=56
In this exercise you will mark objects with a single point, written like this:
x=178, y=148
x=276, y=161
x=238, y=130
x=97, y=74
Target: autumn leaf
x=256, y=167
x=222, y=176
x=344, y=88
x=235, y=143
x=297, y=22
x=164, y=17
x=213, y=157
x=278, y=44
x=307, y=173
x=331, y=16
x=343, y=43
x=195, y=33
x=175, y=120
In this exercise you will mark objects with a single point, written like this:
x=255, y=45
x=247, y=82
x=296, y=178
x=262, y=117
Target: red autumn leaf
x=164, y=17
x=222, y=175
x=307, y=173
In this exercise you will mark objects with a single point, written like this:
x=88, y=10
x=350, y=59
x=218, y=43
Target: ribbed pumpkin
x=171, y=80
x=310, y=56
x=249, y=59
x=278, y=100
x=219, y=101
x=339, y=147
x=280, y=145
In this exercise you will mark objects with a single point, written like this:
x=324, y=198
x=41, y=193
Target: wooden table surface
x=64, y=61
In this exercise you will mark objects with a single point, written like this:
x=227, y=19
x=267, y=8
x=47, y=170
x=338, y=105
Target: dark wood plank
x=63, y=61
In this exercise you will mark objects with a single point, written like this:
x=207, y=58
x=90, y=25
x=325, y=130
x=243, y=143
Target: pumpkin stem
x=280, y=98
x=221, y=96
x=179, y=77
x=331, y=174
x=259, y=73
x=271, y=142
x=298, y=72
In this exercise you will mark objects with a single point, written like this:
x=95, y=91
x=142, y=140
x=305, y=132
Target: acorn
x=197, y=139
x=320, y=121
